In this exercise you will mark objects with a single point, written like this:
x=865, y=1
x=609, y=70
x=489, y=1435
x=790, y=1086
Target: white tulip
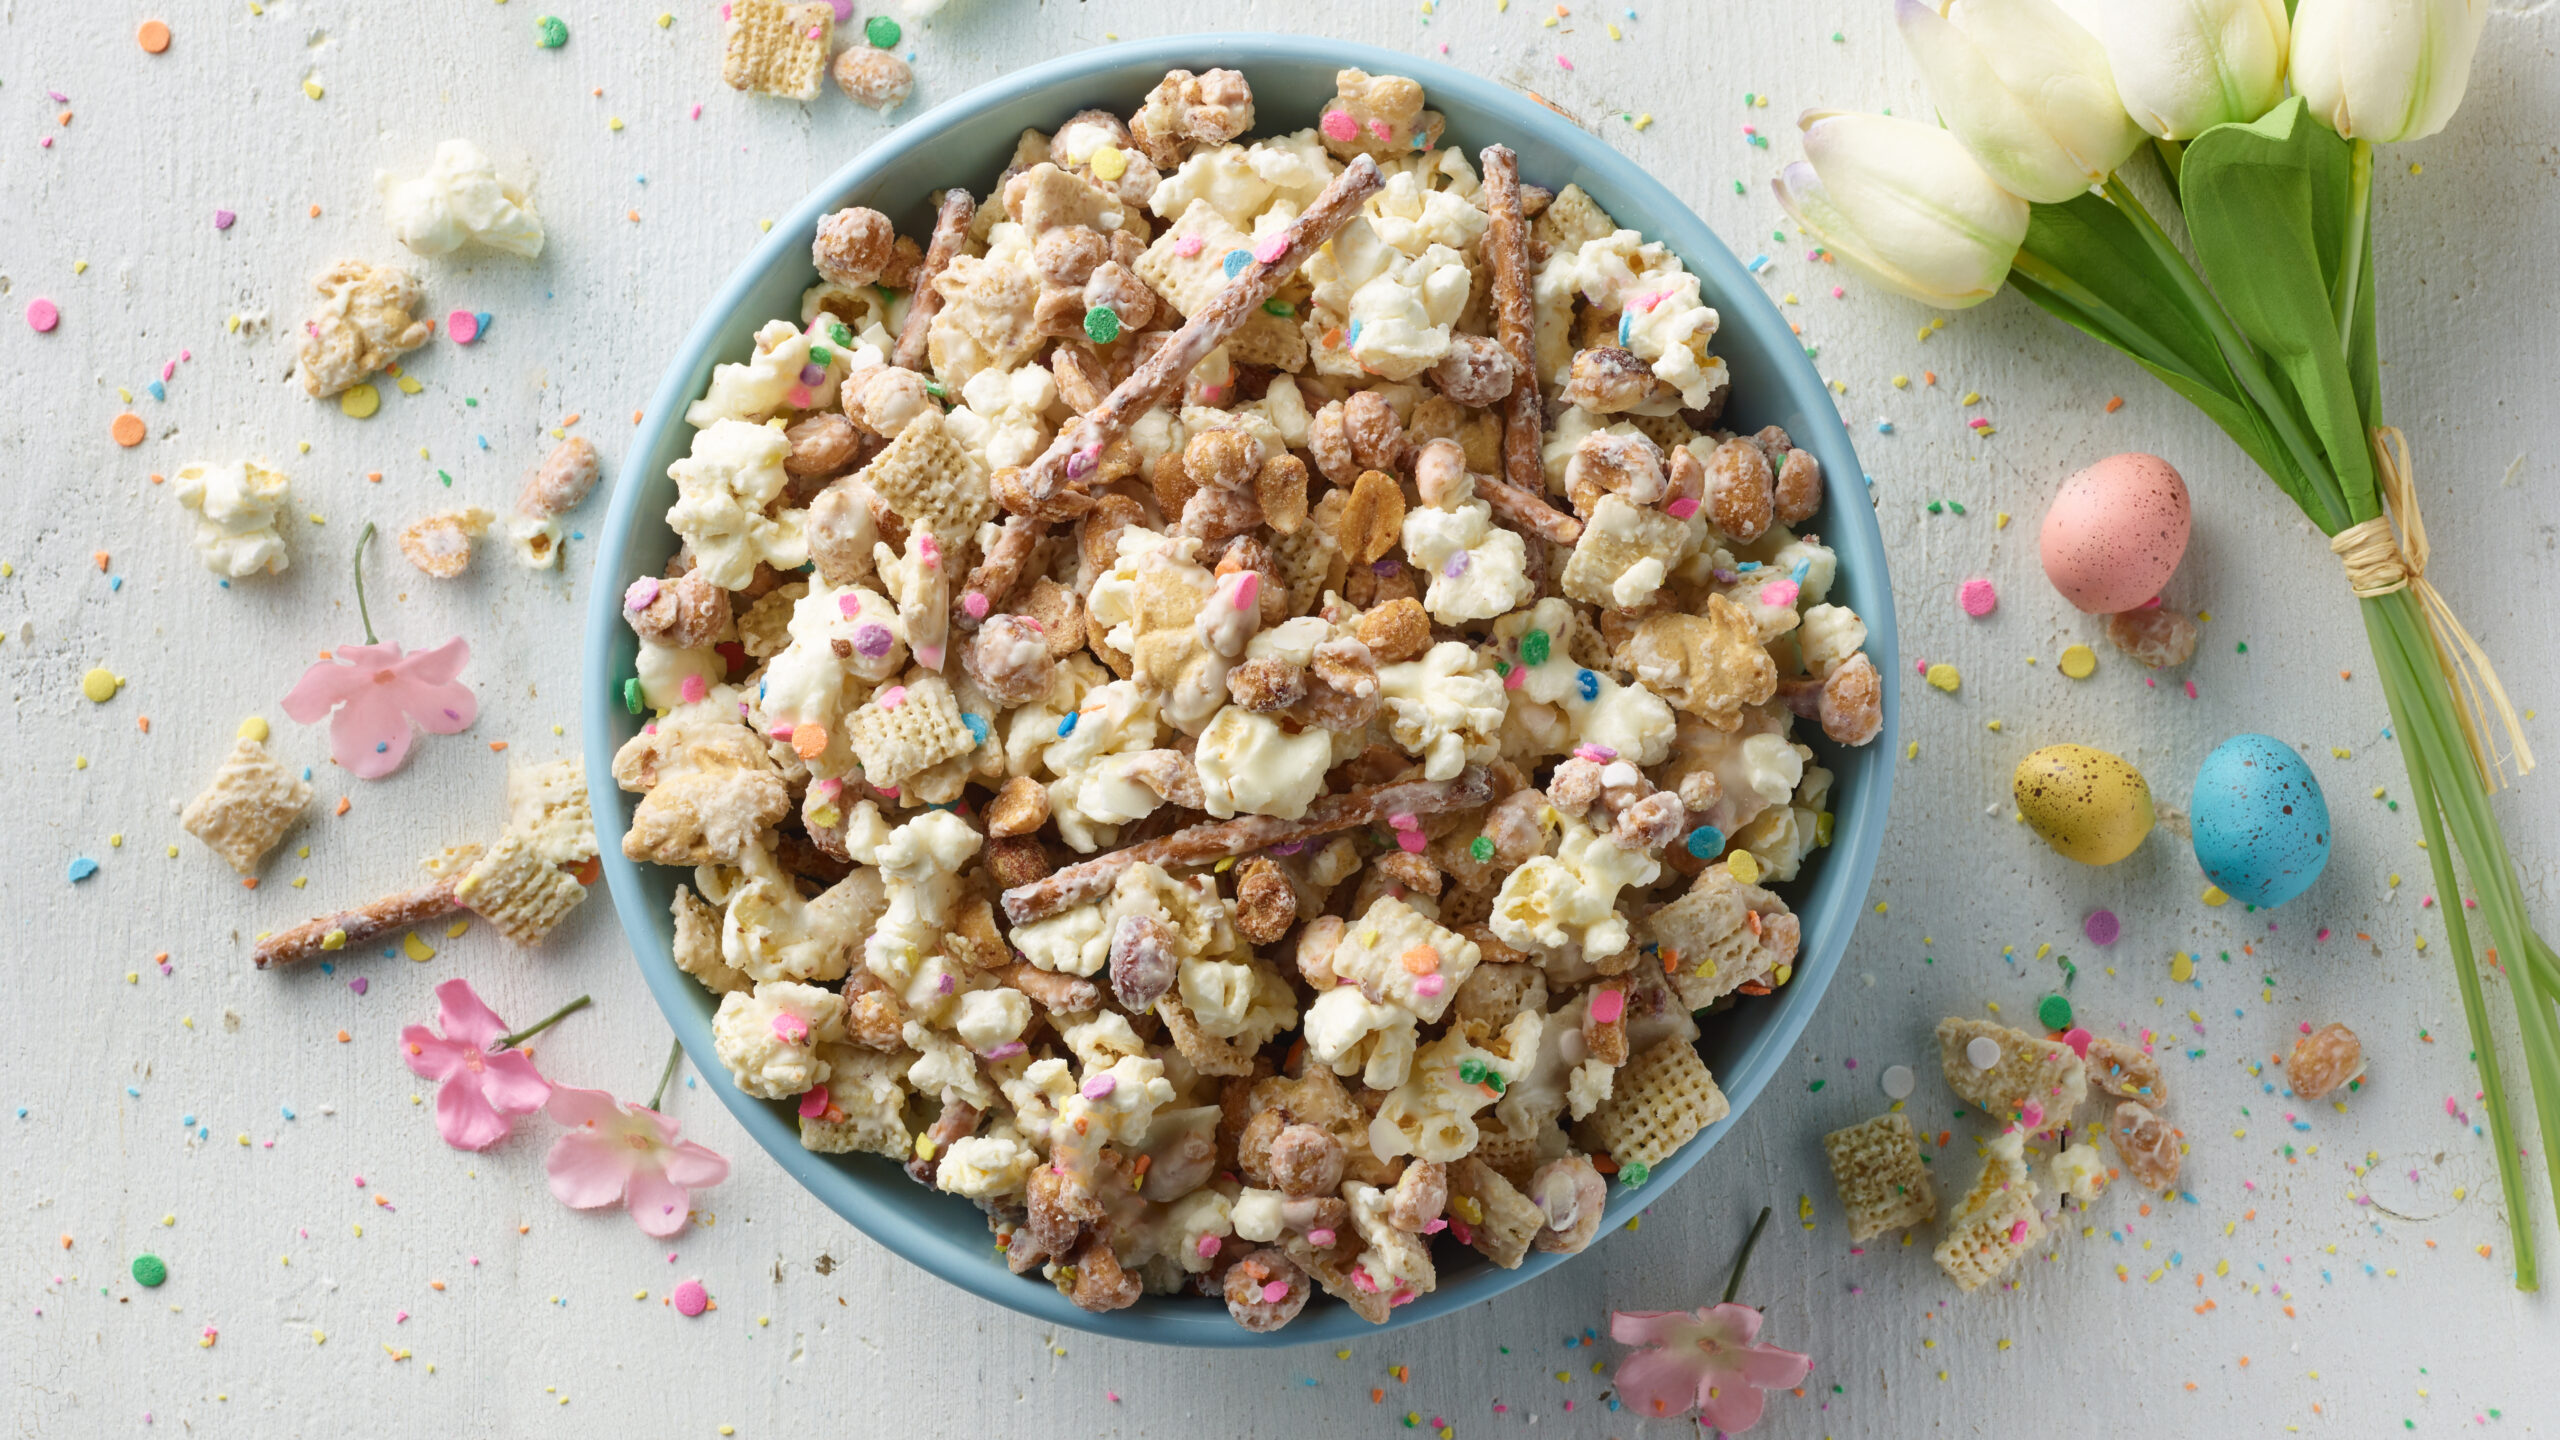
x=2385, y=70
x=2026, y=88
x=2185, y=66
x=1905, y=205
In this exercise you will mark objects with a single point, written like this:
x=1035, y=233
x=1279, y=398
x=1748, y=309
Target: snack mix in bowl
x=1229, y=704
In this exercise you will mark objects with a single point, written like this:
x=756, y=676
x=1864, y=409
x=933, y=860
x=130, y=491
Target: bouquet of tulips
x=2261, y=117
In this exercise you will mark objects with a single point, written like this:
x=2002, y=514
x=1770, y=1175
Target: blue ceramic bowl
x=966, y=141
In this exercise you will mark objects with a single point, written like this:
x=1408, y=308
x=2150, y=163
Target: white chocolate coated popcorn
x=460, y=199
x=235, y=505
x=769, y=1037
x=1446, y=708
x=1250, y=765
x=1570, y=898
x=783, y=374
x=723, y=489
x=1477, y=570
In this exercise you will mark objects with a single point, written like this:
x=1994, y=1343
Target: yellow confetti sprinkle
x=2182, y=967
x=1901, y=382
x=358, y=402
x=665, y=20
x=1614, y=35
x=1911, y=751
x=1645, y=121
x=100, y=685
x=1745, y=866
x=312, y=88
x=409, y=386
x=454, y=930
x=614, y=124
x=2213, y=896
x=415, y=948
x=2079, y=662
x=254, y=728
x=2342, y=752
x=1992, y=725
x=2000, y=521
x=79, y=267
x=1109, y=163
x=1943, y=676
x=1973, y=397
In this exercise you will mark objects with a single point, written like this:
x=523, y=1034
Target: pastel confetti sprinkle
x=1978, y=597
x=2079, y=662
x=2102, y=928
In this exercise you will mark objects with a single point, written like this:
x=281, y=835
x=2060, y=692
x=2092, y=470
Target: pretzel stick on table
x=1076, y=450
x=1506, y=249
x=324, y=934
x=1204, y=844
x=950, y=231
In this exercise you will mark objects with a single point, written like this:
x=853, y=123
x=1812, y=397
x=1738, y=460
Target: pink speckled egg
x=2115, y=533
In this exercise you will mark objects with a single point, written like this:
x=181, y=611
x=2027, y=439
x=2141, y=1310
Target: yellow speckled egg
x=2091, y=806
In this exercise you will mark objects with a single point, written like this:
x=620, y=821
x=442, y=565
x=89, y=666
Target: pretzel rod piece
x=1506, y=249
x=1527, y=512
x=950, y=231
x=1203, y=844
x=312, y=938
x=1272, y=261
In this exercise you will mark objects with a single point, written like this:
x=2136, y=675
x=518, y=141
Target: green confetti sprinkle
x=553, y=32
x=1102, y=324
x=1535, y=647
x=149, y=1270
x=631, y=696
x=2055, y=1012
x=883, y=32
x=1634, y=1173
x=1481, y=848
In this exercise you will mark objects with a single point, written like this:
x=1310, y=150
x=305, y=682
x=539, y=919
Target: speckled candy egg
x=2090, y=806
x=2261, y=825
x=2116, y=533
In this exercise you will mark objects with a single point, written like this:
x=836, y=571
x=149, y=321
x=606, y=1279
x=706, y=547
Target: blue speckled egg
x=2261, y=826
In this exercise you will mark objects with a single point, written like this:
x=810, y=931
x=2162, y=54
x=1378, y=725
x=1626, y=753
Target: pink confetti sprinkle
x=1320, y=1238
x=1379, y=129
x=1979, y=423
x=1517, y=676
x=1682, y=508
x=2078, y=1039
x=800, y=397
x=691, y=1299
x=1564, y=62
x=2324, y=933
x=1100, y=1086
x=697, y=109
x=43, y=315
x=1270, y=251
x=893, y=697
x=790, y=1028
x=693, y=689
x=463, y=326
x=1837, y=292
x=1275, y=1291
x=2032, y=1114
x=358, y=984
x=849, y=604
x=1978, y=596
x=1205, y=1246
x=1187, y=246
x=642, y=594
x=1607, y=1006
x=1429, y=986
x=1412, y=842
x=813, y=1105
x=2102, y=927
x=975, y=602
x=1780, y=593
x=2191, y=689
x=1338, y=125
x=1111, y=1395
x=223, y=219
x=2017, y=1232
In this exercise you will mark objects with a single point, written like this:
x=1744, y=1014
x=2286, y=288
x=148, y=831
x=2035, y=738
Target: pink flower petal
x=464, y=1117
x=573, y=1106
x=1734, y=1408
x=1649, y=1327
x=429, y=1055
x=695, y=1166
x=1771, y=1368
x=463, y=1016
x=321, y=688
x=1730, y=1325
x=427, y=691
x=656, y=1202
x=587, y=1170
x=511, y=1083
x=1656, y=1383
x=368, y=734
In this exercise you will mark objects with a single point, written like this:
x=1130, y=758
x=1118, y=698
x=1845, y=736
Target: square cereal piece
x=1513, y=1157
x=1187, y=264
x=1661, y=1098
x=864, y=1109
x=514, y=887
x=2038, y=1082
x=1705, y=939
x=1876, y=1168
x=1503, y=1221
x=907, y=728
x=1625, y=554
x=1997, y=1222
x=1307, y=563
x=778, y=49
x=932, y=480
x=547, y=804
x=1268, y=339
x=1400, y=958
x=1337, y=1272
x=1570, y=219
x=252, y=801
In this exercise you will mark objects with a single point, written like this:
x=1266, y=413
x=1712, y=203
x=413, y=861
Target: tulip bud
x=2026, y=88
x=2385, y=70
x=1904, y=205
x=2185, y=66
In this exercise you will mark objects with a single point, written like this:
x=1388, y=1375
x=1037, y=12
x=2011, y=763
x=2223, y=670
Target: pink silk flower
x=1706, y=1359
x=374, y=692
x=481, y=1089
x=628, y=1153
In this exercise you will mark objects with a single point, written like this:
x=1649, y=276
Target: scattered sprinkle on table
x=359, y=401
x=883, y=32
x=2079, y=662
x=1944, y=677
x=224, y=219
x=2102, y=928
x=100, y=684
x=43, y=315
x=1978, y=597
x=552, y=32
x=691, y=1299
x=1898, y=1082
x=82, y=867
x=2054, y=1012
x=153, y=36
x=149, y=1270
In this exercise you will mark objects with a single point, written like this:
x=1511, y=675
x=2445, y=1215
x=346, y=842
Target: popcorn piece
x=2042, y=1082
x=1249, y=764
x=1430, y=1116
x=460, y=200
x=1477, y=571
x=252, y=801
x=1566, y=704
x=920, y=865
x=771, y=933
x=1711, y=665
x=987, y=1168
x=843, y=643
x=364, y=323
x=1074, y=941
x=1571, y=898
x=928, y=476
x=1004, y=421
x=1661, y=1098
x=1446, y=708
x=1670, y=326
x=864, y=1109
x=1625, y=556
x=776, y=377
x=1400, y=320
x=2079, y=1172
x=440, y=544
x=1400, y=958
x=945, y=1071
x=777, y=49
x=724, y=489
x=1720, y=936
x=1186, y=110
x=515, y=888
x=697, y=945
x=1997, y=1221
x=1877, y=1170
x=1827, y=637
x=235, y=506
x=770, y=1038
x=1357, y=1036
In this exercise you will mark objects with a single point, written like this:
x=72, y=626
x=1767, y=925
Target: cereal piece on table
x=777, y=49
x=440, y=544
x=1720, y=936
x=1661, y=1098
x=2124, y=1071
x=950, y=233
x=364, y=323
x=2039, y=1082
x=1571, y=219
x=386, y=916
x=929, y=478
x=2147, y=1144
x=871, y=76
x=853, y=245
x=898, y=734
x=1187, y=110
x=1379, y=115
x=861, y=1108
x=1997, y=1222
x=2322, y=1061
x=252, y=801
x=1877, y=1170
x=1713, y=666
x=1625, y=556
x=547, y=804
x=518, y=889
x=554, y=489
x=1501, y=1222
x=235, y=505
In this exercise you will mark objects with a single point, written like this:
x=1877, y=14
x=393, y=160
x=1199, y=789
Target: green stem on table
x=675, y=1054
x=2240, y=356
x=2342, y=295
x=1742, y=1257
x=361, y=612
x=509, y=1042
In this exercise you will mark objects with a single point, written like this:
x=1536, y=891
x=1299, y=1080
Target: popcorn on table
x=460, y=200
x=1193, y=985
x=235, y=506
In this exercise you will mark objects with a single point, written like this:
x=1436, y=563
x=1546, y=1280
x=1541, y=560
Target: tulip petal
x=588, y=1170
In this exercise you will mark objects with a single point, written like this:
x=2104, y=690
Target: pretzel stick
x=313, y=938
x=1203, y=844
x=950, y=230
x=1272, y=261
x=1506, y=249
x=1527, y=512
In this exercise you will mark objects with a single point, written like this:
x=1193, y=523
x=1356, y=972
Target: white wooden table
x=2327, y=1278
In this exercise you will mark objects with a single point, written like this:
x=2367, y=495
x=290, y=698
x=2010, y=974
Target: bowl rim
x=1859, y=819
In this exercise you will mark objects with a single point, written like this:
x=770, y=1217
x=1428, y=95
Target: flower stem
x=361, y=612
x=1742, y=1257
x=509, y=1042
x=2342, y=298
x=675, y=1055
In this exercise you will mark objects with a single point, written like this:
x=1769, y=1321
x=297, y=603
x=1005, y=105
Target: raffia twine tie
x=2388, y=554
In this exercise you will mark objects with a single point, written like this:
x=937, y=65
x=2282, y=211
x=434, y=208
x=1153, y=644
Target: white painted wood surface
x=2299, y=1291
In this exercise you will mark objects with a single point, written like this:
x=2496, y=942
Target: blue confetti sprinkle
x=135, y=1093
x=203, y=1133
x=186, y=1122
x=1236, y=261
x=977, y=726
x=1884, y=427
x=1624, y=324
x=1706, y=841
x=1803, y=568
x=158, y=390
x=22, y=1112
x=288, y=1111
x=1588, y=683
x=379, y=746
x=483, y=317
x=116, y=583
x=1758, y=264
x=1746, y=567
x=483, y=439
x=1354, y=337
x=577, y=534
x=82, y=867
x=1067, y=726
